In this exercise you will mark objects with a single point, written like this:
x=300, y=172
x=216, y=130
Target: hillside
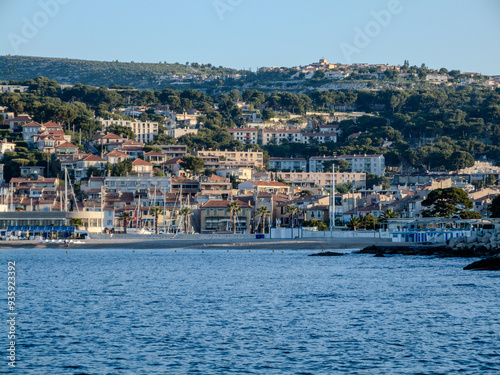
x=216, y=80
x=105, y=73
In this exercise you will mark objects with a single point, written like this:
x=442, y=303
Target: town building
x=173, y=151
x=246, y=136
x=235, y=158
x=321, y=179
x=288, y=164
x=374, y=164
x=135, y=183
x=264, y=186
x=277, y=136
x=144, y=131
x=216, y=217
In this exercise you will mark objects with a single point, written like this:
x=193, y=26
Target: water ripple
x=117, y=312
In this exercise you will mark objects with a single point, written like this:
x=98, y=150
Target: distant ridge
x=103, y=73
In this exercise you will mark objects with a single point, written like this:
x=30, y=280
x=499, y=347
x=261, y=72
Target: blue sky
x=455, y=34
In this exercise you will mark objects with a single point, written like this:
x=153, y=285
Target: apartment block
x=235, y=158
x=321, y=180
x=247, y=136
x=374, y=164
x=145, y=131
x=288, y=164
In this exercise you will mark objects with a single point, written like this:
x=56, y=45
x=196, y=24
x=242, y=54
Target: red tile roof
x=141, y=162
x=116, y=153
x=66, y=144
x=223, y=204
x=94, y=158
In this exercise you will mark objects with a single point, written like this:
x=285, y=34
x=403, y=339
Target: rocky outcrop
x=483, y=244
x=326, y=254
x=471, y=250
x=488, y=264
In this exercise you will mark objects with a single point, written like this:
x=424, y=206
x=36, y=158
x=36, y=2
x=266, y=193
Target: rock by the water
x=459, y=250
x=488, y=264
x=326, y=254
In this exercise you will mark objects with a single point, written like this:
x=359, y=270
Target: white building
x=318, y=138
x=6, y=147
x=288, y=164
x=321, y=179
x=13, y=88
x=31, y=130
x=374, y=164
x=247, y=136
x=135, y=183
x=176, y=133
x=277, y=136
x=144, y=131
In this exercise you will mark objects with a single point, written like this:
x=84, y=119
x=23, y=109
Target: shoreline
x=237, y=243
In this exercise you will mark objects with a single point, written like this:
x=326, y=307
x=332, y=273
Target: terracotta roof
x=241, y=130
x=111, y=136
x=173, y=161
x=269, y=183
x=116, y=153
x=131, y=142
x=66, y=144
x=223, y=204
x=50, y=124
x=94, y=158
x=141, y=162
x=215, y=178
x=154, y=153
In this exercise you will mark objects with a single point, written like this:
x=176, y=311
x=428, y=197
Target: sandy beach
x=200, y=243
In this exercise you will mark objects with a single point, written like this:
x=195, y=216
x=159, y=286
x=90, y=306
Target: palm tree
x=156, y=211
x=354, y=223
x=234, y=208
x=186, y=213
x=389, y=214
x=125, y=216
x=291, y=210
x=262, y=212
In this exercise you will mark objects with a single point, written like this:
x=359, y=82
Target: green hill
x=105, y=73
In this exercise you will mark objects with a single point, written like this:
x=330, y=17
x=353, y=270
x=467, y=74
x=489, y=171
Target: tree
x=291, y=210
x=389, y=214
x=192, y=163
x=495, y=207
x=354, y=223
x=186, y=212
x=449, y=202
x=122, y=168
x=460, y=160
x=305, y=193
x=125, y=216
x=156, y=211
x=315, y=223
x=234, y=209
x=123, y=131
x=262, y=212
x=76, y=223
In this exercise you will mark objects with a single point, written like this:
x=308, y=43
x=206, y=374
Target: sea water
x=205, y=311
